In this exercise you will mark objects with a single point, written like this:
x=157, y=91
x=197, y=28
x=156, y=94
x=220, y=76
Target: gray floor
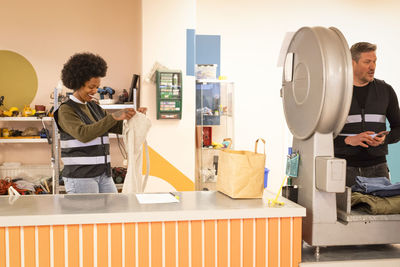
x=365, y=255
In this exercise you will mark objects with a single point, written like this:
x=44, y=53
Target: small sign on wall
x=169, y=94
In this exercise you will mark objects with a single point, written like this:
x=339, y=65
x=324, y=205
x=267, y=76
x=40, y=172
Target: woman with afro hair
x=84, y=127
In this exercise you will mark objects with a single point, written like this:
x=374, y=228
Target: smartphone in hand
x=382, y=134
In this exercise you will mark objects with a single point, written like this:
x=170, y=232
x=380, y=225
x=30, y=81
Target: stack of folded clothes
x=376, y=195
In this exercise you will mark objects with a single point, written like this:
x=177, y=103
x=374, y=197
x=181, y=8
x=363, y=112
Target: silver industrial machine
x=317, y=92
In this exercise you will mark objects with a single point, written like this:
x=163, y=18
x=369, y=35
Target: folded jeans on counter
x=370, y=185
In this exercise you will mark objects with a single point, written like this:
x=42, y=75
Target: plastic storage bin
x=28, y=172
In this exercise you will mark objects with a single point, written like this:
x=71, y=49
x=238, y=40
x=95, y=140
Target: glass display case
x=214, y=128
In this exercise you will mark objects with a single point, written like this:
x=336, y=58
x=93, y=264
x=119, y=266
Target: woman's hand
x=142, y=110
x=124, y=114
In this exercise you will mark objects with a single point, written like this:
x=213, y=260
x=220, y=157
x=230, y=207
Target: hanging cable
x=122, y=148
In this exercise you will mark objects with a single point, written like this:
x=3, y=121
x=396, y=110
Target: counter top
x=117, y=208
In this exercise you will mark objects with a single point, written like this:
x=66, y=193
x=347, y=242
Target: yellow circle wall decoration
x=18, y=80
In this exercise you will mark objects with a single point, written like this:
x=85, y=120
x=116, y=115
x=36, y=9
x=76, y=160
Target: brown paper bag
x=241, y=173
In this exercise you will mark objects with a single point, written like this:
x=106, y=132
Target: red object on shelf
x=207, y=136
x=40, y=108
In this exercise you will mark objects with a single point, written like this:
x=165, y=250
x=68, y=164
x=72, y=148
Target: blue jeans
x=368, y=185
x=379, y=170
x=98, y=184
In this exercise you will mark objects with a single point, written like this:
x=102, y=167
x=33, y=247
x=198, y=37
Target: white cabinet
x=214, y=125
x=29, y=145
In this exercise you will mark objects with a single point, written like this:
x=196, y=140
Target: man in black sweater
x=363, y=141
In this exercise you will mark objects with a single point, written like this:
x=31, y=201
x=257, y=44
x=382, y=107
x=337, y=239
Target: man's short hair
x=361, y=47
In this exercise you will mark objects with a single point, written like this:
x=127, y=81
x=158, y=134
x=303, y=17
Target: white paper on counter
x=156, y=198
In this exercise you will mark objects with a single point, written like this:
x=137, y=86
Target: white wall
x=164, y=41
x=251, y=35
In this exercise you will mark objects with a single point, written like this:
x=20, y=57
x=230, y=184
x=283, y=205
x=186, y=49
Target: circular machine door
x=317, y=82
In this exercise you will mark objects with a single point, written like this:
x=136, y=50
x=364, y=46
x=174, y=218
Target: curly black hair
x=80, y=68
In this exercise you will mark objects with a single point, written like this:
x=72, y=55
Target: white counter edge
x=129, y=217
x=113, y=208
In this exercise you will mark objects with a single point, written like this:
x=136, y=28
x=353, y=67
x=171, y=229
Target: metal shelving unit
x=55, y=146
x=54, y=163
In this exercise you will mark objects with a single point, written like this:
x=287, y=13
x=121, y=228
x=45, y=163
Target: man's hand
x=124, y=114
x=362, y=139
x=380, y=137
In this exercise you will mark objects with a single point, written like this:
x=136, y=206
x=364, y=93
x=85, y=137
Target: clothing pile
x=24, y=187
x=376, y=195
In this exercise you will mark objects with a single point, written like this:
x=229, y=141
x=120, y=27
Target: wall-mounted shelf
x=212, y=81
x=26, y=119
x=23, y=140
x=117, y=106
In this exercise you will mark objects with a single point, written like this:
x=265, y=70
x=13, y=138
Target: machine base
x=352, y=256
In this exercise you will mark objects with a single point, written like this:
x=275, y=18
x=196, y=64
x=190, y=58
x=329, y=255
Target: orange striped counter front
x=258, y=240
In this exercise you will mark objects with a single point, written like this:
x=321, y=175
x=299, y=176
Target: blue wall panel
x=208, y=50
x=190, y=51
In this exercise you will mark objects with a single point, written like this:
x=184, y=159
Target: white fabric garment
x=134, y=133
